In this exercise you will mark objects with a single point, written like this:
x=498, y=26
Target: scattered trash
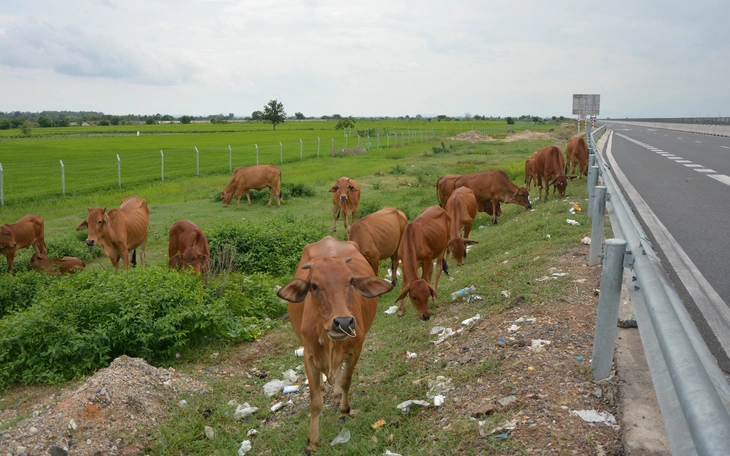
x=547, y=236
x=473, y=298
x=530, y=369
x=277, y=406
x=299, y=352
x=577, y=208
x=560, y=274
x=410, y=355
x=592, y=416
x=499, y=436
x=391, y=310
x=290, y=375
x=245, y=447
x=501, y=340
x=389, y=453
x=209, y=433
x=525, y=320
x=291, y=389
x=438, y=386
x=538, y=345
x=244, y=410
x=182, y=404
x=542, y=279
x=463, y=292
x=505, y=401
x=72, y=425
x=438, y=400
x=513, y=328
x=378, y=424
x=580, y=358
x=471, y=320
x=443, y=335
x=405, y=407
x=506, y=294
x=586, y=240
x=572, y=211
x=572, y=222
x=252, y=432
x=342, y=437
x=481, y=227
x=274, y=386
x=437, y=329
x=501, y=430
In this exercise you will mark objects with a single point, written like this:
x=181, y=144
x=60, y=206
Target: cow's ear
x=88, y=209
x=403, y=293
x=470, y=241
x=351, y=188
x=432, y=292
x=371, y=287
x=294, y=291
x=334, y=188
x=104, y=211
x=84, y=226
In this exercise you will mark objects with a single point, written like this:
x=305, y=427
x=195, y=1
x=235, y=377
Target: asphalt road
x=684, y=179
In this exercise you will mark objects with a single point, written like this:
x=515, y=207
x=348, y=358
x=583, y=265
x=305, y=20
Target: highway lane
x=684, y=179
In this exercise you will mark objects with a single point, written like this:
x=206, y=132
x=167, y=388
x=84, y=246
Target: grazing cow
x=491, y=188
x=26, y=232
x=378, y=237
x=56, y=266
x=530, y=171
x=576, y=155
x=425, y=239
x=345, y=198
x=188, y=247
x=256, y=177
x=445, y=187
x=119, y=230
x=462, y=208
x=339, y=294
x=548, y=167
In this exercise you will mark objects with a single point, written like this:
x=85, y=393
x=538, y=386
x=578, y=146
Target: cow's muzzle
x=343, y=197
x=90, y=242
x=426, y=316
x=342, y=328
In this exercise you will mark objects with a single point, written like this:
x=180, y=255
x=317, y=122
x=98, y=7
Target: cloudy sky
x=645, y=58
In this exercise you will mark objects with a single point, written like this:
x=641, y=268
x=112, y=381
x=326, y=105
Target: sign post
x=588, y=105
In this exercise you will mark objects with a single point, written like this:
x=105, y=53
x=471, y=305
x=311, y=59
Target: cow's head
x=418, y=291
x=97, y=223
x=197, y=256
x=330, y=288
x=37, y=261
x=7, y=240
x=226, y=197
x=522, y=197
x=344, y=189
x=458, y=248
x=561, y=183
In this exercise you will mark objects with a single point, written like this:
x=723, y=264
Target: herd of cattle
x=336, y=285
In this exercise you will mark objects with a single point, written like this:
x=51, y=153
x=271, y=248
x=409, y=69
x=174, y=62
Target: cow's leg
x=344, y=381
x=402, y=307
x=173, y=253
x=439, y=262
x=495, y=209
x=125, y=260
x=238, y=201
x=11, y=259
x=248, y=196
x=467, y=229
x=271, y=196
x=143, y=252
x=394, y=268
x=316, y=402
x=336, y=215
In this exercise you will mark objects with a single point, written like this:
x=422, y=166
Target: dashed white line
x=684, y=161
x=693, y=165
x=705, y=170
x=725, y=147
x=675, y=158
x=698, y=142
x=721, y=177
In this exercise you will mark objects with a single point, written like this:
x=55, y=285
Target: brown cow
x=378, y=237
x=462, y=208
x=576, y=155
x=119, y=230
x=425, y=239
x=345, y=198
x=340, y=294
x=446, y=185
x=56, y=266
x=491, y=188
x=256, y=177
x=188, y=247
x=548, y=167
x=530, y=171
x=26, y=232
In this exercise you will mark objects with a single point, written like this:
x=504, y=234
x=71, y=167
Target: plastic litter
x=410, y=355
x=277, y=406
x=525, y=320
x=391, y=310
x=438, y=400
x=252, y=432
x=473, y=298
x=437, y=329
x=438, y=386
x=274, y=386
x=443, y=335
x=463, y=292
x=593, y=416
x=209, y=432
x=245, y=447
x=560, y=274
x=342, y=437
x=290, y=375
x=471, y=320
x=577, y=208
x=572, y=222
x=299, y=352
x=513, y=328
x=547, y=236
x=291, y=389
x=378, y=424
x=405, y=406
x=586, y=240
x=538, y=345
x=580, y=358
x=499, y=436
x=506, y=294
x=244, y=410
x=389, y=453
x=501, y=340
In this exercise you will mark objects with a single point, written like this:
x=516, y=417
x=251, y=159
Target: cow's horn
x=307, y=266
x=347, y=259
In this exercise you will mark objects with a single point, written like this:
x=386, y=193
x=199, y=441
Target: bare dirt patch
x=529, y=135
x=471, y=136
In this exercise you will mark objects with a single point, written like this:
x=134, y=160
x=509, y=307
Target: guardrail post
x=197, y=161
x=63, y=178
x=119, y=171
x=592, y=181
x=163, y=166
x=2, y=186
x=608, y=302
x=597, y=222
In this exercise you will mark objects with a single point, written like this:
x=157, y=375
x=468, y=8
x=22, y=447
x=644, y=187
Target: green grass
x=508, y=257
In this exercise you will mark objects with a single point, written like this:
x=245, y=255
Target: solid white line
x=712, y=306
x=721, y=178
x=705, y=170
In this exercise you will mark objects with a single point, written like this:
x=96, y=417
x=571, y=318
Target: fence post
x=197, y=161
x=376, y=134
x=345, y=140
x=388, y=145
x=63, y=178
x=301, y=145
x=281, y=153
x=163, y=166
x=333, y=146
x=257, y=153
x=592, y=182
x=119, y=171
x=597, y=222
x=358, y=141
x=2, y=186
x=230, y=159
x=604, y=340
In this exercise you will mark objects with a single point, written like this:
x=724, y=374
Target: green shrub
x=369, y=206
x=296, y=190
x=18, y=291
x=398, y=169
x=75, y=246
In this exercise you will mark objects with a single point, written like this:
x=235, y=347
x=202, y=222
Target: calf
x=258, y=177
x=462, y=208
x=378, y=236
x=492, y=187
x=424, y=239
x=576, y=155
x=26, y=232
x=188, y=247
x=56, y=266
x=345, y=198
x=332, y=304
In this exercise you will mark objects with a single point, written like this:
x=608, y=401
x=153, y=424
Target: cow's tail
x=281, y=185
x=134, y=257
x=445, y=266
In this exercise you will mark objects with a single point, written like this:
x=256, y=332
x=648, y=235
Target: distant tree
x=345, y=122
x=230, y=116
x=185, y=119
x=336, y=116
x=418, y=116
x=536, y=119
x=257, y=115
x=115, y=120
x=62, y=122
x=168, y=118
x=299, y=115
x=150, y=121
x=25, y=129
x=510, y=121
x=326, y=117
x=104, y=123
x=44, y=122
x=467, y=115
x=4, y=124
x=274, y=113
x=441, y=117
x=16, y=122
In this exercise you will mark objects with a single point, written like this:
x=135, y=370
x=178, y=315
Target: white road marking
x=698, y=142
x=725, y=147
x=721, y=178
x=675, y=158
x=684, y=161
x=693, y=165
x=705, y=170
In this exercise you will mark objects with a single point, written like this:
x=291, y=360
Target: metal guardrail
x=695, y=399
